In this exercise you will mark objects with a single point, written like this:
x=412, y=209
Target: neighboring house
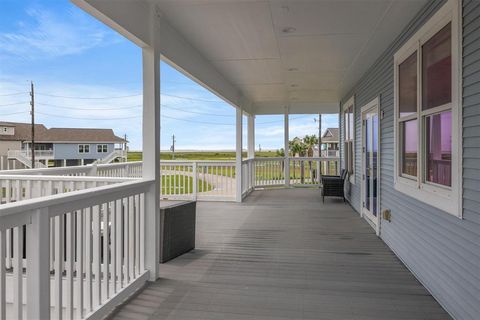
x=57, y=146
x=330, y=143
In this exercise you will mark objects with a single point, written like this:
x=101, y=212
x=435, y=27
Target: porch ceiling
x=301, y=54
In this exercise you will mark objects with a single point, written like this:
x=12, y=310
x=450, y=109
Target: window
x=83, y=148
x=427, y=112
x=102, y=148
x=349, y=138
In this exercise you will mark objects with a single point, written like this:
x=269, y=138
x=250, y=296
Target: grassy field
x=181, y=184
x=200, y=155
x=275, y=174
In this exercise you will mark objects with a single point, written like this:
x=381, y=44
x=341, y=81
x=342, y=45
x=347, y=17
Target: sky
x=87, y=75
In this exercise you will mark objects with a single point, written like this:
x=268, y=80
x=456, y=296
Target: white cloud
x=50, y=35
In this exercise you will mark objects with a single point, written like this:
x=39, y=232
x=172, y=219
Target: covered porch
x=283, y=254
x=261, y=254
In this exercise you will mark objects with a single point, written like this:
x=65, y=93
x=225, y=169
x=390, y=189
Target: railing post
x=93, y=171
x=251, y=136
x=38, y=266
x=251, y=170
x=194, y=180
x=286, y=148
x=238, y=162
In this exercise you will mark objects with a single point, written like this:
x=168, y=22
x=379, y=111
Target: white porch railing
x=39, y=154
x=117, y=153
x=181, y=180
x=14, y=188
x=198, y=180
x=305, y=171
x=248, y=177
x=330, y=153
x=24, y=156
x=71, y=270
x=269, y=172
x=193, y=180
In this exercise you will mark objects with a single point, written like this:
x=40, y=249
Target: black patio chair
x=333, y=186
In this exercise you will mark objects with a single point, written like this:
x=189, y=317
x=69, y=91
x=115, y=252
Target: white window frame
x=448, y=199
x=350, y=103
x=83, y=145
x=101, y=147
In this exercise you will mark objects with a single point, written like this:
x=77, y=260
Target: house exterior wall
x=9, y=145
x=442, y=250
x=7, y=131
x=70, y=151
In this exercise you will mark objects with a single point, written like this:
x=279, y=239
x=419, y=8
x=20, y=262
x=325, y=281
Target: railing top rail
x=117, y=164
x=198, y=161
x=65, y=178
x=70, y=170
x=268, y=158
x=314, y=158
x=51, y=171
x=18, y=213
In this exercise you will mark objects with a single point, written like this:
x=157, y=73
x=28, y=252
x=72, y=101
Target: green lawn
x=268, y=174
x=200, y=155
x=181, y=184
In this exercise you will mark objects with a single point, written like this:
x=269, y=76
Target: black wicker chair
x=332, y=186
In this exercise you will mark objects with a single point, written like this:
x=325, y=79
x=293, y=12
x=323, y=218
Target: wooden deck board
x=282, y=254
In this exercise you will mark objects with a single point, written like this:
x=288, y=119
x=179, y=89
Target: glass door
x=370, y=163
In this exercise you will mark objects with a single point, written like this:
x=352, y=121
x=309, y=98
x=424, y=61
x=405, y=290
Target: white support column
x=251, y=136
x=151, y=157
x=286, y=148
x=238, y=162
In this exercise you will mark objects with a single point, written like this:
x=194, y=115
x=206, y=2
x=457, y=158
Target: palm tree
x=310, y=142
x=298, y=147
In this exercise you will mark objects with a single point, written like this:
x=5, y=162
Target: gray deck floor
x=283, y=254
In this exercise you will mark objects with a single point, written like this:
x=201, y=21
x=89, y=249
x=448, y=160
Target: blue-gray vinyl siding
x=70, y=151
x=441, y=250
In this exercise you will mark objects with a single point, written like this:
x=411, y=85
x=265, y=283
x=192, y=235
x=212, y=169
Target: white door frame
x=371, y=219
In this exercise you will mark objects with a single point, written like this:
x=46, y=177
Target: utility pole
x=32, y=112
x=319, y=134
x=172, y=148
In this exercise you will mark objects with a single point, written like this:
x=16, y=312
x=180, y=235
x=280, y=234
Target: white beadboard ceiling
x=290, y=52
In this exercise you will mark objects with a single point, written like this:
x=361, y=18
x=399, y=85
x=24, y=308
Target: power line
x=13, y=94
x=130, y=107
x=13, y=104
x=190, y=98
x=196, y=121
x=78, y=118
x=92, y=109
x=126, y=96
x=196, y=112
x=134, y=117
x=88, y=98
x=11, y=114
